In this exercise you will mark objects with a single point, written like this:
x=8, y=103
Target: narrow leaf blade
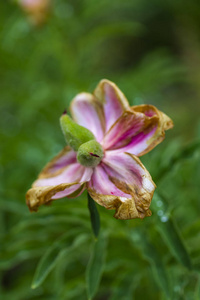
x=46, y=264
x=95, y=266
x=49, y=259
x=150, y=252
x=170, y=232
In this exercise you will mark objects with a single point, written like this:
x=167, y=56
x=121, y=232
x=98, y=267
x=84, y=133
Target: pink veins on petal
x=120, y=181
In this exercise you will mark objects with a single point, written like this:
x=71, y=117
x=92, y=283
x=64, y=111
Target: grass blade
x=170, y=232
x=153, y=256
x=95, y=266
x=185, y=153
x=50, y=258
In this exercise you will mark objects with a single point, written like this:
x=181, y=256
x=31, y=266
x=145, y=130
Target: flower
x=37, y=10
x=118, y=180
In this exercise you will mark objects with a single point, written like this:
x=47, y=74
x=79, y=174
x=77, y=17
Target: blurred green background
x=151, y=50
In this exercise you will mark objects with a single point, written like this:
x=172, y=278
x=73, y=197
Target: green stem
x=94, y=216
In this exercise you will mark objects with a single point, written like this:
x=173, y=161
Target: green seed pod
x=90, y=154
x=75, y=135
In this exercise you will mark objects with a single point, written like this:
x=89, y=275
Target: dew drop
x=159, y=203
x=160, y=213
x=177, y=288
x=164, y=218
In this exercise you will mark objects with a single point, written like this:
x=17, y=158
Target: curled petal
x=120, y=134
x=121, y=182
x=113, y=100
x=88, y=112
x=150, y=111
x=155, y=134
x=65, y=158
x=63, y=176
x=37, y=196
x=104, y=191
x=138, y=130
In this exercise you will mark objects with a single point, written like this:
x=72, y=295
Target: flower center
x=82, y=141
x=90, y=154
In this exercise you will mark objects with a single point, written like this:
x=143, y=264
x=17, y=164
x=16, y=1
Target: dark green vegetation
x=151, y=50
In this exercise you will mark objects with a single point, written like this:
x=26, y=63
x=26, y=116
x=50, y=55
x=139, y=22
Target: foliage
x=151, y=50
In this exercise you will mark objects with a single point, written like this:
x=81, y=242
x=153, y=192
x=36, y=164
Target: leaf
x=94, y=216
x=13, y=207
x=14, y=259
x=50, y=258
x=197, y=290
x=153, y=256
x=170, y=232
x=125, y=287
x=67, y=258
x=46, y=264
x=95, y=266
x=173, y=239
x=184, y=153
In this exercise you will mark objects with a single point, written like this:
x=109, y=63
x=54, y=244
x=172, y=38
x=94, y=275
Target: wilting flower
x=104, y=159
x=37, y=10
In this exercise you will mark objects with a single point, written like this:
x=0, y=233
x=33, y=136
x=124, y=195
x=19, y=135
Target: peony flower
x=105, y=159
x=37, y=10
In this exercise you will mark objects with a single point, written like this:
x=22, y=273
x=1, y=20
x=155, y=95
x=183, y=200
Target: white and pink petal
x=154, y=134
x=106, y=193
x=65, y=158
x=122, y=183
x=138, y=130
x=129, y=124
x=88, y=112
x=67, y=180
x=113, y=100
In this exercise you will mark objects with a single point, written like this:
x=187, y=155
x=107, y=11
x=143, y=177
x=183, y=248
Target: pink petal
x=69, y=191
x=127, y=126
x=129, y=169
x=138, y=130
x=58, y=180
x=72, y=174
x=65, y=158
x=121, y=182
x=88, y=112
x=140, y=143
x=101, y=183
x=113, y=100
x=86, y=175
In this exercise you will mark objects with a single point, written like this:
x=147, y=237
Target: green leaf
x=94, y=216
x=13, y=207
x=153, y=256
x=197, y=290
x=170, y=232
x=46, y=264
x=66, y=260
x=95, y=266
x=125, y=287
x=173, y=239
x=184, y=153
x=50, y=258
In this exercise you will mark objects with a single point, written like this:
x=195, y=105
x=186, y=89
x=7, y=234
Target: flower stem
x=94, y=216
